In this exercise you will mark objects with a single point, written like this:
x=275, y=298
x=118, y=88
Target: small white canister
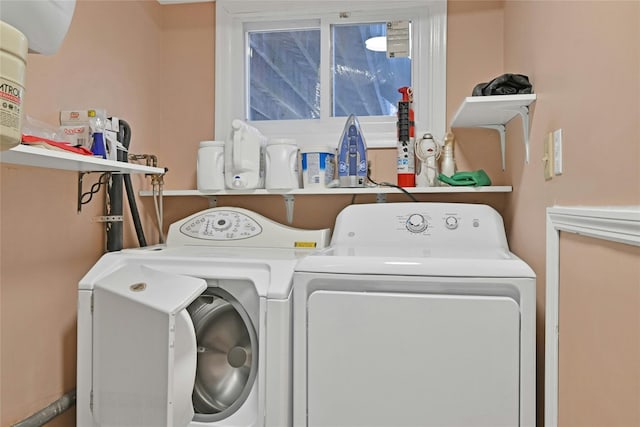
x=13, y=55
x=210, y=167
x=282, y=164
x=318, y=165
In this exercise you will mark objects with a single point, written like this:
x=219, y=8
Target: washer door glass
x=227, y=355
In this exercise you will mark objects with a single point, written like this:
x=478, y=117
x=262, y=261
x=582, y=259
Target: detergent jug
x=244, y=157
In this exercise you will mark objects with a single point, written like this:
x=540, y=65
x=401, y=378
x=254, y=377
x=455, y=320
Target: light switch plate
x=547, y=159
x=557, y=152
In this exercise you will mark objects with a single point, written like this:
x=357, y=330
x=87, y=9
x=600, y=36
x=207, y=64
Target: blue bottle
x=352, y=155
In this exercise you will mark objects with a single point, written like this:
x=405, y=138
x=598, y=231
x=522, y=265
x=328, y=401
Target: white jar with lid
x=210, y=167
x=282, y=164
x=317, y=166
x=13, y=55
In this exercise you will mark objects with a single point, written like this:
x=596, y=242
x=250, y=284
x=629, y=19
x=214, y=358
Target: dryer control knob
x=451, y=222
x=416, y=223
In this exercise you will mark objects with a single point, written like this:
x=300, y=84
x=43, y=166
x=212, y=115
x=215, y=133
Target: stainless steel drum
x=227, y=355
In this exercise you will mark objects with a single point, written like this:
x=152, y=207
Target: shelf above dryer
x=494, y=112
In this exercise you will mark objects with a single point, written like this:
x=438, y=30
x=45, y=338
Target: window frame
x=429, y=19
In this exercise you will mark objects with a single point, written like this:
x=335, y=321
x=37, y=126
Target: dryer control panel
x=420, y=222
x=433, y=225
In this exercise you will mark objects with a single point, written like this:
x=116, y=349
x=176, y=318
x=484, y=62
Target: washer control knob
x=451, y=222
x=221, y=224
x=416, y=223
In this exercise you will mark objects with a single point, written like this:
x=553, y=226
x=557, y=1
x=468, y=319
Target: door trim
x=617, y=224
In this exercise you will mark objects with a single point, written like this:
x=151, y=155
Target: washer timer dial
x=416, y=223
x=221, y=224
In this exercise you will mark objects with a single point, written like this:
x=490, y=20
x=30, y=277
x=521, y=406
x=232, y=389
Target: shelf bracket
x=502, y=131
x=289, y=200
x=523, y=112
x=85, y=197
x=80, y=178
x=381, y=198
x=213, y=201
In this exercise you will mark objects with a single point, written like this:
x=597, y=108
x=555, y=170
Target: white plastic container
x=210, y=167
x=244, y=161
x=282, y=164
x=318, y=166
x=13, y=56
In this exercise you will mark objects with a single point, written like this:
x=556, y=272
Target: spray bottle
x=448, y=162
x=406, y=138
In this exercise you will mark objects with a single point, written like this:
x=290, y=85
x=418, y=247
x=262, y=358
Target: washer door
x=144, y=348
x=227, y=355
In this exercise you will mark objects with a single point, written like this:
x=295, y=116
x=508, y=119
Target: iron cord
x=388, y=184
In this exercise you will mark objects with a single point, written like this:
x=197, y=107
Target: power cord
x=383, y=184
x=388, y=184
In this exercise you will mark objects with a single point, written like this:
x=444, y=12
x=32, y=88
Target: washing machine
x=417, y=314
x=193, y=333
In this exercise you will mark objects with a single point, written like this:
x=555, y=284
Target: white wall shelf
x=289, y=195
x=54, y=159
x=334, y=191
x=494, y=112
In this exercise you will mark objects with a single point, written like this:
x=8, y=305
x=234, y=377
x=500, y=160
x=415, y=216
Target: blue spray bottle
x=352, y=155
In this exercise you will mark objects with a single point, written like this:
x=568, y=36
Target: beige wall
x=584, y=60
x=111, y=58
x=155, y=70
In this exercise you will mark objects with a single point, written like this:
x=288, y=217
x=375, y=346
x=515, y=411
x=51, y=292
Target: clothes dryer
x=194, y=333
x=416, y=315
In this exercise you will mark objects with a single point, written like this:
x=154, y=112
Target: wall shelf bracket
x=289, y=200
x=86, y=197
x=213, y=201
x=503, y=141
x=381, y=198
x=523, y=112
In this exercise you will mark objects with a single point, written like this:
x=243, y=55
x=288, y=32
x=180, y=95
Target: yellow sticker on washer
x=305, y=244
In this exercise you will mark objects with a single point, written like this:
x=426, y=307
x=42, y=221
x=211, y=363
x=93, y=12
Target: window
x=299, y=68
x=283, y=74
x=365, y=80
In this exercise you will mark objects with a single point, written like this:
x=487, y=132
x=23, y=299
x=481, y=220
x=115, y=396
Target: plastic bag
x=37, y=128
x=506, y=84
